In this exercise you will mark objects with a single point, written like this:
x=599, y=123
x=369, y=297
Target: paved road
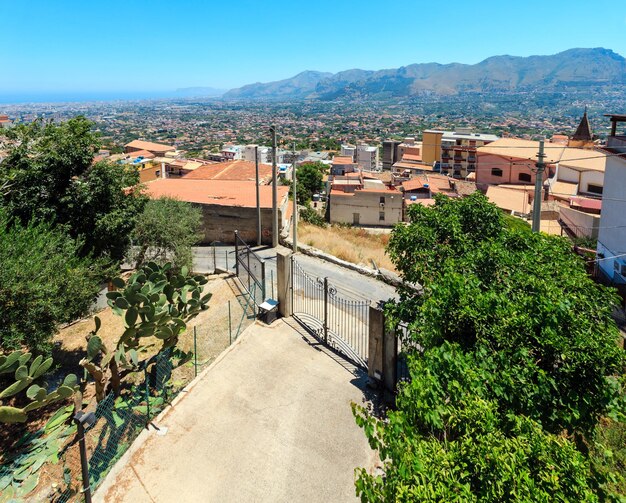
x=270, y=421
x=361, y=285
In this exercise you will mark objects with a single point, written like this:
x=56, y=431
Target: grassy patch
x=609, y=452
x=351, y=244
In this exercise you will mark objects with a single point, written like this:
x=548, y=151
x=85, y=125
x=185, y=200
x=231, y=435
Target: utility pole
x=541, y=166
x=295, y=201
x=258, y=196
x=274, y=191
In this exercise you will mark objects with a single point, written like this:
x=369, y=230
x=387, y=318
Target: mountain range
x=574, y=68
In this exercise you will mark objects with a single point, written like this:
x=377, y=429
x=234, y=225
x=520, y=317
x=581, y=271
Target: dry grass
x=351, y=244
x=212, y=328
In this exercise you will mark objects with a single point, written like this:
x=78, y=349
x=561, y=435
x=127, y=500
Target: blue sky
x=140, y=45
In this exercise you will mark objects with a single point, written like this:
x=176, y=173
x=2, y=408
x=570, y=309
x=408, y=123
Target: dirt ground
x=211, y=325
x=213, y=337
x=353, y=244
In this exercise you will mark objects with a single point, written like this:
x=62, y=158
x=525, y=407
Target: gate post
x=390, y=364
x=236, y=254
x=263, y=287
x=375, y=346
x=284, y=280
x=325, y=310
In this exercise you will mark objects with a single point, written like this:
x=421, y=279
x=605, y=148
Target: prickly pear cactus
x=155, y=302
x=24, y=376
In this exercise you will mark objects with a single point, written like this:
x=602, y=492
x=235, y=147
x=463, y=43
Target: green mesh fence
x=235, y=315
x=119, y=421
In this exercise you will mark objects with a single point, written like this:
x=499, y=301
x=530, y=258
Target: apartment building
x=348, y=151
x=367, y=157
x=232, y=152
x=265, y=153
x=5, y=122
x=455, y=151
x=390, y=153
x=569, y=171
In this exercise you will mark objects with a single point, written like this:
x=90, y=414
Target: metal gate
x=335, y=316
x=250, y=269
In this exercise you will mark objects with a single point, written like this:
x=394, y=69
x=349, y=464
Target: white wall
x=565, y=174
x=367, y=205
x=593, y=177
x=612, y=234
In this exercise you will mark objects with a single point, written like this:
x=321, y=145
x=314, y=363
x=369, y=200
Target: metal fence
x=250, y=269
x=335, y=316
x=119, y=420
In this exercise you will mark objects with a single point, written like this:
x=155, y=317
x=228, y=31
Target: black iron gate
x=250, y=269
x=336, y=317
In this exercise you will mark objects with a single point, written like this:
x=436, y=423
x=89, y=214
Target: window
x=496, y=172
x=594, y=189
x=382, y=199
x=524, y=177
x=381, y=216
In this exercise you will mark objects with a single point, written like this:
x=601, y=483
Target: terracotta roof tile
x=233, y=170
x=220, y=192
x=152, y=147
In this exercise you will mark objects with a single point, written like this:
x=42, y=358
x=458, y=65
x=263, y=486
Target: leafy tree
x=449, y=442
x=166, y=231
x=518, y=361
x=49, y=177
x=102, y=210
x=309, y=179
x=43, y=283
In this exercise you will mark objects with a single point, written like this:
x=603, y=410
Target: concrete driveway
x=270, y=420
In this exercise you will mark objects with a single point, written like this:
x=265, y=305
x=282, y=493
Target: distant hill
x=300, y=86
x=199, y=92
x=577, y=68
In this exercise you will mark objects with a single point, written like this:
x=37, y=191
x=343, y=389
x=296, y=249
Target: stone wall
x=220, y=222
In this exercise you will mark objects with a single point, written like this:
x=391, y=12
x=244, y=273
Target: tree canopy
x=50, y=177
x=518, y=361
x=309, y=177
x=166, y=231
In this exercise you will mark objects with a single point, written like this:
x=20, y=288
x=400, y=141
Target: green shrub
x=43, y=283
x=310, y=216
x=166, y=231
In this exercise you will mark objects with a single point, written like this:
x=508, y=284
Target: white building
x=5, y=122
x=367, y=157
x=612, y=233
x=232, y=152
x=348, y=151
x=265, y=154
